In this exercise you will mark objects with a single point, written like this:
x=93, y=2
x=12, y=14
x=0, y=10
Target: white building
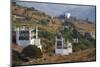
x=92, y=35
x=61, y=47
x=68, y=15
x=27, y=36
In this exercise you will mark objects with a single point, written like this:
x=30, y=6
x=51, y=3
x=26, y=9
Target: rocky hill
x=48, y=28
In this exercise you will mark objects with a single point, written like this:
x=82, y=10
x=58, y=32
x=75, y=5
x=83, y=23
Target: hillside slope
x=48, y=29
x=82, y=56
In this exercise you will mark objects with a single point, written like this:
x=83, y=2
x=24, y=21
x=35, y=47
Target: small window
x=59, y=44
x=24, y=35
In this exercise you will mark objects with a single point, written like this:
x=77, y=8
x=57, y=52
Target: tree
x=32, y=51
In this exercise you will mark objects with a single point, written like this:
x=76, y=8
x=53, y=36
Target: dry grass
x=16, y=47
x=86, y=55
x=53, y=26
x=85, y=26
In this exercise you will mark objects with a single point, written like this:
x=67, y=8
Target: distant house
x=92, y=35
x=68, y=15
x=89, y=35
x=27, y=36
x=61, y=47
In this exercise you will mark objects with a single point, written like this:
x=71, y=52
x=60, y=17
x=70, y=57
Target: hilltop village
x=55, y=39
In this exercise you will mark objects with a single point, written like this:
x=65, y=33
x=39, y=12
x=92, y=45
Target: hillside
x=34, y=18
x=84, y=25
x=49, y=26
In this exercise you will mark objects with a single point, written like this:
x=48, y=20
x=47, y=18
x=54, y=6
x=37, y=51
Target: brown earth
x=87, y=27
x=16, y=47
x=82, y=56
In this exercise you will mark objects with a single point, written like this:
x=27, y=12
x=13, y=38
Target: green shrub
x=15, y=58
x=48, y=35
x=44, y=21
x=32, y=51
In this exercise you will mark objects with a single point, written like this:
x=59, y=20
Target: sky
x=79, y=11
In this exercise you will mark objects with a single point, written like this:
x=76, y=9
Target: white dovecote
x=61, y=47
x=27, y=36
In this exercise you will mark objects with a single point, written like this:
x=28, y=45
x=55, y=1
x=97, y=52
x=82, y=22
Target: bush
x=15, y=58
x=48, y=35
x=32, y=51
x=67, y=34
x=44, y=21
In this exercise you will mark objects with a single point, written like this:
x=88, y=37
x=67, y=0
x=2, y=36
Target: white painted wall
x=23, y=43
x=62, y=51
